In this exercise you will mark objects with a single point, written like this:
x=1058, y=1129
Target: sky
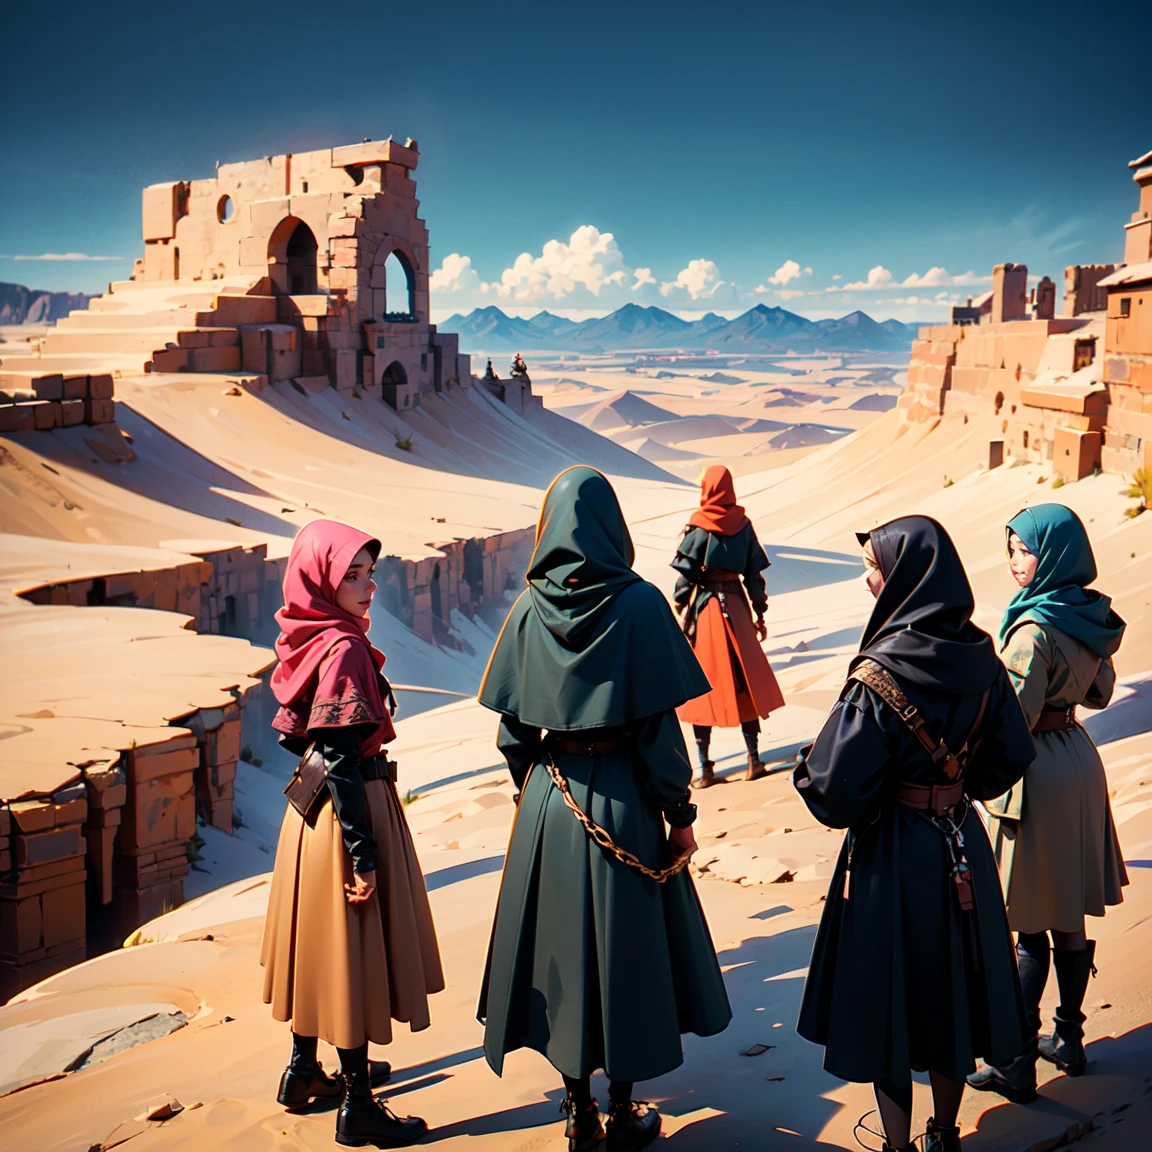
x=578, y=156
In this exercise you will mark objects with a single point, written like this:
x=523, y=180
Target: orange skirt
x=743, y=686
x=340, y=971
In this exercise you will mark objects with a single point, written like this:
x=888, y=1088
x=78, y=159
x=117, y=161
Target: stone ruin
x=309, y=267
x=1074, y=390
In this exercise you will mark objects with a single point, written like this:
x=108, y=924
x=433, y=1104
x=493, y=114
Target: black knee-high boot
x=1016, y=1080
x=362, y=1118
x=1065, y=1047
x=707, y=775
x=584, y=1129
x=304, y=1080
x=751, y=730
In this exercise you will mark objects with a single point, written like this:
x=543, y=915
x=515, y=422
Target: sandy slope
x=764, y=862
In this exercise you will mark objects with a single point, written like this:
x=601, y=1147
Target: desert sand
x=216, y=460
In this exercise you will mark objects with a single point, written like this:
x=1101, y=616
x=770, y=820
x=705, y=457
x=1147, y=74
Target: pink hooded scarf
x=329, y=674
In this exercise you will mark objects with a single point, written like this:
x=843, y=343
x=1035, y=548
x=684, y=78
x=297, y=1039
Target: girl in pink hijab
x=349, y=944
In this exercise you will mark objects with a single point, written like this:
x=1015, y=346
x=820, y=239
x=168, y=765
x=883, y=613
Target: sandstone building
x=1074, y=389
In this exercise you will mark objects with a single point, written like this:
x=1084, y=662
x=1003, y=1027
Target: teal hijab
x=1058, y=594
x=589, y=644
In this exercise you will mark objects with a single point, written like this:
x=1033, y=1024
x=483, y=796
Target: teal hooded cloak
x=589, y=644
x=591, y=963
x=1058, y=595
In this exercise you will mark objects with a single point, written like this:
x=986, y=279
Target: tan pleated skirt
x=343, y=972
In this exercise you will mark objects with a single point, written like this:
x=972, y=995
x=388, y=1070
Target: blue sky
x=574, y=156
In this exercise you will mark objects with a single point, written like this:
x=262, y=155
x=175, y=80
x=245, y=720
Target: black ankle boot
x=941, y=1139
x=1065, y=1047
x=584, y=1130
x=632, y=1124
x=1016, y=1080
x=363, y=1119
x=302, y=1083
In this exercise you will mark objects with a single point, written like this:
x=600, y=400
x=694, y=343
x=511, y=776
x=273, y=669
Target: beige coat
x=340, y=971
x=1055, y=840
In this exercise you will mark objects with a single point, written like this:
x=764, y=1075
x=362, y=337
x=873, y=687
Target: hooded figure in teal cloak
x=1058, y=595
x=592, y=963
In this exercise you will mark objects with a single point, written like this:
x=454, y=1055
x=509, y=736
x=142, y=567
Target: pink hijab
x=311, y=621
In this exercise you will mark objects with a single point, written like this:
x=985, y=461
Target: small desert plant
x=233, y=521
x=249, y=757
x=237, y=819
x=948, y=481
x=1140, y=489
x=409, y=797
x=192, y=848
x=405, y=443
x=1058, y=482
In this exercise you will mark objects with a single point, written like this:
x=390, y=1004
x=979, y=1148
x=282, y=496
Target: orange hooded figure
x=720, y=562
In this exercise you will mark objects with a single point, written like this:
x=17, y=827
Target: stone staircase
x=140, y=326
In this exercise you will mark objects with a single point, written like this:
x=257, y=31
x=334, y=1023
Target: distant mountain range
x=761, y=329
x=20, y=305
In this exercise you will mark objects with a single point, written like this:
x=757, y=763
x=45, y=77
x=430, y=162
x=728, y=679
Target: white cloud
x=837, y=275
x=643, y=276
x=455, y=274
x=67, y=256
x=701, y=280
x=590, y=260
x=878, y=277
x=789, y=270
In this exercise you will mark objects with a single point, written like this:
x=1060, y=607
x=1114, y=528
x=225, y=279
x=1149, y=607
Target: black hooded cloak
x=898, y=980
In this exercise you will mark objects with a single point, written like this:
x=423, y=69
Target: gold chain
x=601, y=837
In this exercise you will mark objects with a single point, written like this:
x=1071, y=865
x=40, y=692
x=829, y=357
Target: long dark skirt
x=899, y=979
x=590, y=963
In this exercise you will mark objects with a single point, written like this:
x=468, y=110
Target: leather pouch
x=308, y=788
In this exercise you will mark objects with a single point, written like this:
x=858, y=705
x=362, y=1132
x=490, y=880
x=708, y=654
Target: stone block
x=220, y=814
x=194, y=338
x=47, y=415
x=101, y=387
x=49, y=387
x=159, y=212
x=162, y=760
x=224, y=337
x=71, y=413
x=41, y=847
x=159, y=811
x=62, y=912
x=21, y=926
x=17, y=418
x=32, y=815
x=215, y=359
x=99, y=411
x=223, y=743
x=170, y=360
x=75, y=387
x=232, y=311
x=1075, y=454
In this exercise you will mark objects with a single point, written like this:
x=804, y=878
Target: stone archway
x=391, y=382
x=292, y=251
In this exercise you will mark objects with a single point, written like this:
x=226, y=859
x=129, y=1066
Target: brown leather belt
x=719, y=580
x=588, y=747
x=937, y=798
x=378, y=768
x=1056, y=720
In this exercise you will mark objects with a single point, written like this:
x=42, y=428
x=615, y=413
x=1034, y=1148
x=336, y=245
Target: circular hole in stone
x=224, y=209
